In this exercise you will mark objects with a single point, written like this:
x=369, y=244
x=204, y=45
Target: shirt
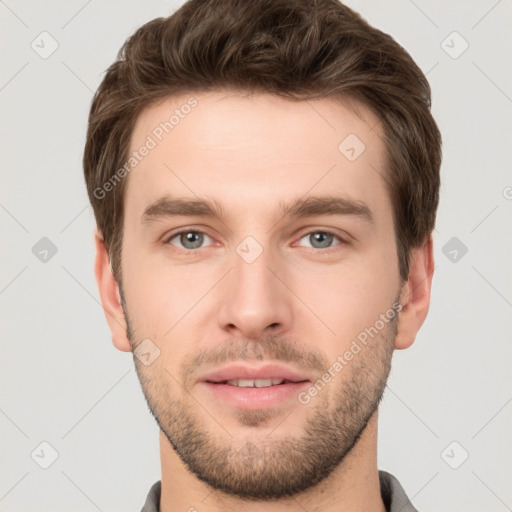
x=393, y=495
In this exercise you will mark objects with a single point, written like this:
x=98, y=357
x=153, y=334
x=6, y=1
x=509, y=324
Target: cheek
x=348, y=298
x=162, y=296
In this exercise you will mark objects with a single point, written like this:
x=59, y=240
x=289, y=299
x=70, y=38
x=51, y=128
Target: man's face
x=254, y=287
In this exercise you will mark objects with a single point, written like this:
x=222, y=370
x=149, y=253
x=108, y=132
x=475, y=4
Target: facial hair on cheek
x=280, y=466
x=275, y=467
x=288, y=465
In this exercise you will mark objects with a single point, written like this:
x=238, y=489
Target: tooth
x=263, y=383
x=251, y=383
x=243, y=383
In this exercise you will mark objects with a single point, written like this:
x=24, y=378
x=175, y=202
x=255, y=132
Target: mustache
x=270, y=348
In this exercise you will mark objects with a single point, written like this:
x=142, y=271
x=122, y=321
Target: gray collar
x=393, y=495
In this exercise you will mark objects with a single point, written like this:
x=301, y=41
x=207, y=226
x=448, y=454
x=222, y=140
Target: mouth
x=256, y=383
x=253, y=388
x=243, y=375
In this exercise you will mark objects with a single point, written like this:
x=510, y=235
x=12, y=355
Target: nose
x=254, y=301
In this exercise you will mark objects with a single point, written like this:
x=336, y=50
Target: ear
x=415, y=295
x=110, y=296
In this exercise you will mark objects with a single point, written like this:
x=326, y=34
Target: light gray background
x=63, y=382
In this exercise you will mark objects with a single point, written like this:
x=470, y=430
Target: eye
x=189, y=239
x=321, y=239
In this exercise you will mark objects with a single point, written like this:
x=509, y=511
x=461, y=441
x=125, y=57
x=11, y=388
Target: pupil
x=322, y=238
x=191, y=240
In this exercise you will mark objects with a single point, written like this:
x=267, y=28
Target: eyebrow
x=299, y=208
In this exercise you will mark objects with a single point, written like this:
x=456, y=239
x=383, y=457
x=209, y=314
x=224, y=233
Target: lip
x=253, y=398
x=243, y=371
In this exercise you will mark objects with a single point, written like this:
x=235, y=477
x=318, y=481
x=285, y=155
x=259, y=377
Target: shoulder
x=393, y=494
x=153, y=499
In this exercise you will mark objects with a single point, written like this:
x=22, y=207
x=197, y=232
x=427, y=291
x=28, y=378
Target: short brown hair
x=296, y=49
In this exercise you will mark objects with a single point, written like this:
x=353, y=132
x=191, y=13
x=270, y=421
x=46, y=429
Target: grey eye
x=320, y=239
x=189, y=239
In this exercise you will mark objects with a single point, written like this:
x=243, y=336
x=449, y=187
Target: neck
x=353, y=486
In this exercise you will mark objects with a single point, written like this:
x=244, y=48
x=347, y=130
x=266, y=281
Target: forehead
x=256, y=149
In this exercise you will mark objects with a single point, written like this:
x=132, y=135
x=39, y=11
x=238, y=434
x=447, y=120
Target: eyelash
x=328, y=250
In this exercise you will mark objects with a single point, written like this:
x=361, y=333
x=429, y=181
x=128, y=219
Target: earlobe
x=415, y=295
x=110, y=296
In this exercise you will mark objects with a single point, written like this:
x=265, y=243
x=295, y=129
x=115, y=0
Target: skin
x=298, y=303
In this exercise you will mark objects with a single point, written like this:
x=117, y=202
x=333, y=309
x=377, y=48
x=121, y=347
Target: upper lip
x=241, y=371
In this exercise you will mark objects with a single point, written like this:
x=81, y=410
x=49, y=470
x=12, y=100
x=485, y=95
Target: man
x=265, y=179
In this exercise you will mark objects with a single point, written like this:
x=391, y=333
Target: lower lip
x=255, y=398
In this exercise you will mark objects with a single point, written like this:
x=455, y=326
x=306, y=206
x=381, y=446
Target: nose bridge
x=254, y=299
